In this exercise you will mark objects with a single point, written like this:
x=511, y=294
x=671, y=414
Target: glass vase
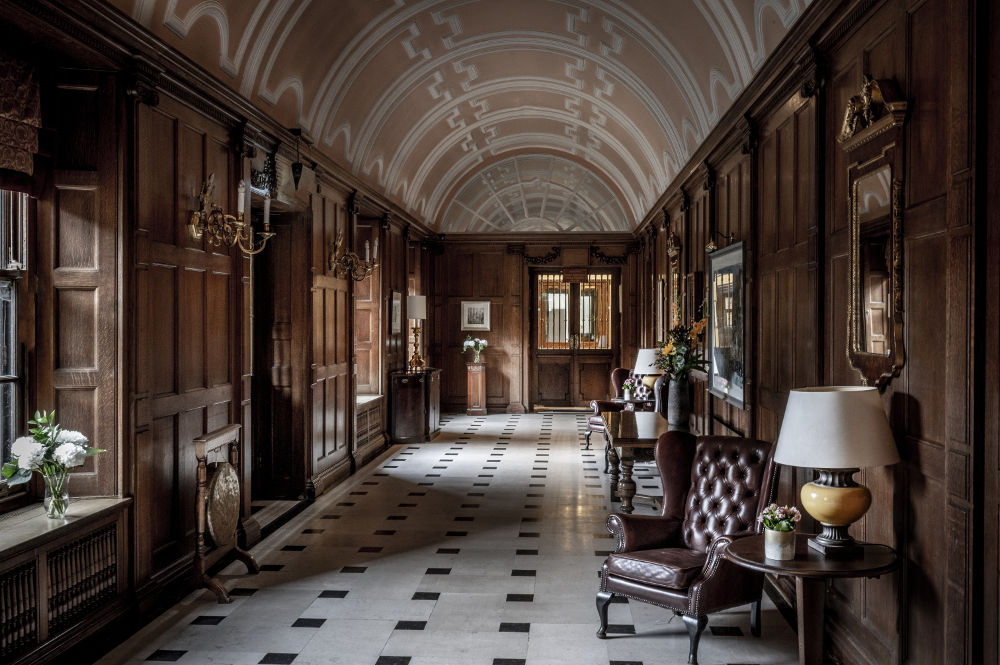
x=56, y=493
x=475, y=355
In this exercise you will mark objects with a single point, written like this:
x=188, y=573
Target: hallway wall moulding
x=417, y=97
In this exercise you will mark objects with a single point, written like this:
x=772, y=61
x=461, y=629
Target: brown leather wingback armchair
x=595, y=423
x=713, y=489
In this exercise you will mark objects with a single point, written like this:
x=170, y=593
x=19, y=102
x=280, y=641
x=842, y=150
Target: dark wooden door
x=573, y=337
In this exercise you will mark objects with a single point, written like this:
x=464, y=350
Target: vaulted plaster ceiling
x=490, y=115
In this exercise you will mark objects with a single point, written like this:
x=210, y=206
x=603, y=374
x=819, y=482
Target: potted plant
x=474, y=343
x=51, y=451
x=779, y=531
x=628, y=387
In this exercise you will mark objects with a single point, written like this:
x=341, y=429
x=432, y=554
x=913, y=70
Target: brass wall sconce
x=711, y=246
x=221, y=228
x=345, y=261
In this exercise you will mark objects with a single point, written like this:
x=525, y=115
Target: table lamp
x=416, y=309
x=645, y=366
x=835, y=430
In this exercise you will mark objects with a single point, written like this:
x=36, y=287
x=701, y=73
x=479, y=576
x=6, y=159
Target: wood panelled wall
x=466, y=270
x=187, y=329
x=775, y=177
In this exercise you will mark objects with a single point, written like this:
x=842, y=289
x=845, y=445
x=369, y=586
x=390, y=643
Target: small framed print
x=475, y=315
x=396, y=312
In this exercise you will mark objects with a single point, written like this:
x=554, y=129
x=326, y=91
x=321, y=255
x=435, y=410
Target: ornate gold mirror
x=872, y=135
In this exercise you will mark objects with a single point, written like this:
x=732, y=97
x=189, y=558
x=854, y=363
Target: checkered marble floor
x=480, y=548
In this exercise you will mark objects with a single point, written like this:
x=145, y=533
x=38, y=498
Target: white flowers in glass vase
x=51, y=451
x=474, y=343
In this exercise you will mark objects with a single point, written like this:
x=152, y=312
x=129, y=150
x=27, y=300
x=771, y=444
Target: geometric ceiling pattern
x=428, y=100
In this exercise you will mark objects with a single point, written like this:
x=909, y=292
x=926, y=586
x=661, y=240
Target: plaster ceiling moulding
x=519, y=194
x=417, y=98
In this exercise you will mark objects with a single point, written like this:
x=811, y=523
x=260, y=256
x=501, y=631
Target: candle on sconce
x=366, y=251
x=375, y=252
x=241, y=198
x=267, y=212
x=246, y=203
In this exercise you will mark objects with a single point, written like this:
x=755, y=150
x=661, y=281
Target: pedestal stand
x=476, y=389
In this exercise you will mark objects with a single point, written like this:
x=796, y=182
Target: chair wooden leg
x=755, y=618
x=586, y=437
x=695, y=626
x=603, y=601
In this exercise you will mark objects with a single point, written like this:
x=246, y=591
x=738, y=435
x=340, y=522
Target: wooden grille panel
x=82, y=575
x=18, y=610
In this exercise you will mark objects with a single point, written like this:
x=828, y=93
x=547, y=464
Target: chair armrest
x=599, y=405
x=642, y=532
x=722, y=583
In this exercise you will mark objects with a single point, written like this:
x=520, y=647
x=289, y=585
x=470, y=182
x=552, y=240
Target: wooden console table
x=476, y=389
x=811, y=570
x=626, y=431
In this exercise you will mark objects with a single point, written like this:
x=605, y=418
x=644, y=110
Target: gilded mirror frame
x=872, y=136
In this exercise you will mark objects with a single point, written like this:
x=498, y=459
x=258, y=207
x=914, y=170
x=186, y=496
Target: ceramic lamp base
x=836, y=502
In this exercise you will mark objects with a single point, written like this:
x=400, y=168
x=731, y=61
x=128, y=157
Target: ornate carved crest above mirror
x=872, y=137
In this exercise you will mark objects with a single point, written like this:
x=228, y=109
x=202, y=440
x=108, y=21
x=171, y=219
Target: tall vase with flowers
x=677, y=356
x=474, y=343
x=51, y=451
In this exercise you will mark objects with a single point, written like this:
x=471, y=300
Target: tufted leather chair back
x=732, y=480
x=618, y=376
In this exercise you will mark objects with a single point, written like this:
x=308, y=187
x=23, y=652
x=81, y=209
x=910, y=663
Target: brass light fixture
x=710, y=246
x=345, y=261
x=222, y=228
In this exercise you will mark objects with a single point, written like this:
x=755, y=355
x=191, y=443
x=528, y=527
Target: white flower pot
x=779, y=545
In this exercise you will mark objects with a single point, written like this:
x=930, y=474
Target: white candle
x=375, y=252
x=246, y=204
x=241, y=198
x=366, y=251
x=267, y=211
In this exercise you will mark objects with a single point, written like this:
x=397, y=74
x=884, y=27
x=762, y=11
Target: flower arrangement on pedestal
x=51, y=451
x=474, y=343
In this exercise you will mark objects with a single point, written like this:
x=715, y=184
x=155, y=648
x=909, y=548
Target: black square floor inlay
x=396, y=517
x=529, y=519
x=626, y=628
x=310, y=531
x=166, y=655
x=469, y=505
x=527, y=552
x=277, y=659
x=271, y=567
x=417, y=494
x=475, y=494
x=207, y=620
x=509, y=661
x=407, y=505
x=333, y=593
x=345, y=503
x=386, y=532
x=625, y=662
x=528, y=534
x=369, y=549
x=438, y=571
x=411, y=625
x=353, y=569
x=431, y=475
x=522, y=573
x=464, y=518
x=448, y=550
x=242, y=591
x=520, y=597
x=331, y=517
x=293, y=548
x=515, y=627
x=308, y=623
x=727, y=631
x=425, y=595
x=457, y=533
x=480, y=484
x=358, y=493
x=425, y=484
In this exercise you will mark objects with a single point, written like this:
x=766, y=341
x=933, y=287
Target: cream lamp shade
x=416, y=307
x=835, y=427
x=835, y=430
x=645, y=363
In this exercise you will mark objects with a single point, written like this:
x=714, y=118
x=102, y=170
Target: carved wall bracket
x=535, y=260
x=879, y=108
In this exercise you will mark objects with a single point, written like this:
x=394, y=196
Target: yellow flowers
x=668, y=349
x=699, y=327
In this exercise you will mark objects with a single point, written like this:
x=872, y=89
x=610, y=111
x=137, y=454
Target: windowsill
x=366, y=399
x=28, y=527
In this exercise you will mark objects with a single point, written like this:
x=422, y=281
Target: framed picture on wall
x=475, y=315
x=396, y=312
x=725, y=349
